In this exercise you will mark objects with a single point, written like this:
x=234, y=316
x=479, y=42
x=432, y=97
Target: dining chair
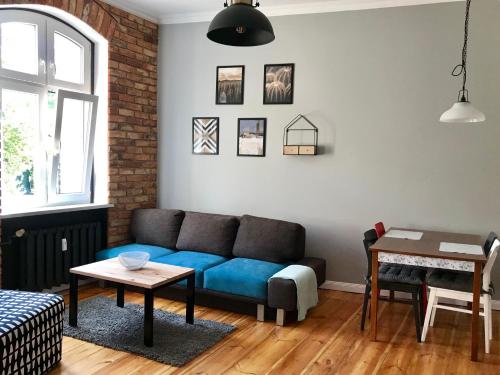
x=457, y=285
x=395, y=278
x=380, y=229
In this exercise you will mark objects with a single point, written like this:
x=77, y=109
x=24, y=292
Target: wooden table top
x=428, y=245
x=151, y=276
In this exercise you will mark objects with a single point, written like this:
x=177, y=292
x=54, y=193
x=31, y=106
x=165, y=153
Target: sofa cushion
x=241, y=276
x=208, y=233
x=153, y=251
x=154, y=226
x=270, y=240
x=199, y=261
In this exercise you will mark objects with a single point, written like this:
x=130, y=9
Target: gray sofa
x=234, y=257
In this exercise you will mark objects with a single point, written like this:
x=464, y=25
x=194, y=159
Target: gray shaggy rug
x=101, y=322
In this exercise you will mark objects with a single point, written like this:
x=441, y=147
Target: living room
x=214, y=187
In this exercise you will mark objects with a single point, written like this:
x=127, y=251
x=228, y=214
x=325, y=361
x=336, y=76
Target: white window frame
x=8, y=16
x=54, y=26
x=47, y=162
x=54, y=198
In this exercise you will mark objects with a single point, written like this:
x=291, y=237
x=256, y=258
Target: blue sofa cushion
x=242, y=276
x=154, y=251
x=192, y=259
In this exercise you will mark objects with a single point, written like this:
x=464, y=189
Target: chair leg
x=391, y=296
x=487, y=326
x=421, y=305
x=365, y=305
x=416, y=312
x=490, y=324
x=434, y=309
x=430, y=306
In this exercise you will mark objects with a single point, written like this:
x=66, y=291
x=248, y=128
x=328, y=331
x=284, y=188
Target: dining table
x=423, y=248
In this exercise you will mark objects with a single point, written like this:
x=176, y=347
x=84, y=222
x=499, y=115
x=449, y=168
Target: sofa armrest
x=282, y=293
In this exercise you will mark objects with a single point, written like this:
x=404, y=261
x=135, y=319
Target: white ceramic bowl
x=133, y=260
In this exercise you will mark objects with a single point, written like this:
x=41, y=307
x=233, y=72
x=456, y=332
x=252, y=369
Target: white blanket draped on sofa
x=307, y=286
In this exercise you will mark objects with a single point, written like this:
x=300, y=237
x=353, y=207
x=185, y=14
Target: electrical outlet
x=64, y=244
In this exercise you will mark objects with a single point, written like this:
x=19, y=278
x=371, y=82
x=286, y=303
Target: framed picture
x=230, y=84
x=206, y=135
x=278, y=83
x=252, y=136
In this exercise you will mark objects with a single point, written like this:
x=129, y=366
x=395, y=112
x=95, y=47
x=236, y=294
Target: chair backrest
x=369, y=239
x=495, y=247
x=380, y=229
x=489, y=243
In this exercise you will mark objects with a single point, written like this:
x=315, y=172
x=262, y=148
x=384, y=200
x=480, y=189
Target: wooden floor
x=329, y=341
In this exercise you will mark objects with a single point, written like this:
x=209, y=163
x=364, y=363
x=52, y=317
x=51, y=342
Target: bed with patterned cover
x=31, y=328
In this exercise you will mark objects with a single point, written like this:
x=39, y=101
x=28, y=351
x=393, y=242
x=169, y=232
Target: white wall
x=375, y=82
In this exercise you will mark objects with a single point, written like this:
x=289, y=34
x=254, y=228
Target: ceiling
x=183, y=11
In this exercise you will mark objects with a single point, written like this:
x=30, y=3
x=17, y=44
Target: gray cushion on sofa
x=155, y=226
x=208, y=233
x=269, y=240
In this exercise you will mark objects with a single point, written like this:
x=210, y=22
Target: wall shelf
x=305, y=148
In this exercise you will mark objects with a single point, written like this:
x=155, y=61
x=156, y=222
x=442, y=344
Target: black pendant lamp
x=240, y=24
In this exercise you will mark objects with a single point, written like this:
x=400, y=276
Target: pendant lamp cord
x=461, y=69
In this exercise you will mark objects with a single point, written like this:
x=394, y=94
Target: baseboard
x=360, y=288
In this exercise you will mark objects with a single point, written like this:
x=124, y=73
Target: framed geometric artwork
x=278, y=83
x=206, y=135
x=252, y=137
x=230, y=84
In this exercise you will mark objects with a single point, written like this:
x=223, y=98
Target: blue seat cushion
x=242, y=276
x=154, y=251
x=193, y=259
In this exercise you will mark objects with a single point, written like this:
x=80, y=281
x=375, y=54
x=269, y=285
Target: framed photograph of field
x=252, y=137
x=206, y=135
x=278, y=83
x=230, y=84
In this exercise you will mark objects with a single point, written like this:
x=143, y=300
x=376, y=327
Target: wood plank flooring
x=329, y=341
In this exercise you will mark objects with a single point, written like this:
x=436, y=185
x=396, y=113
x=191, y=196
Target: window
x=48, y=112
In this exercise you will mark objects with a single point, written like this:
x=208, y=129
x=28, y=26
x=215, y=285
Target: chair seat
x=397, y=273
x=452, y=280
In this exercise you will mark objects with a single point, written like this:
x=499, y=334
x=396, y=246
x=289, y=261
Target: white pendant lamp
x=463, y=111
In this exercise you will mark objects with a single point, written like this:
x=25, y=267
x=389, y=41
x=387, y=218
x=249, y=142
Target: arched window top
x=52, y=53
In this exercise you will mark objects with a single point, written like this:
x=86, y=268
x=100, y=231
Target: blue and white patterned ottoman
x=31, y=328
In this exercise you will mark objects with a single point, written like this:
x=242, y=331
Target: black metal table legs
x=73, y=300
x=190, y=299
x=120, y=295
x=148, y=316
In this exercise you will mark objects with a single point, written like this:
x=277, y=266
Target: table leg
x=120, y=295
x=73, y=299
x=190, y=299
x=148, y=317
x=476, y=292
x=374, y=296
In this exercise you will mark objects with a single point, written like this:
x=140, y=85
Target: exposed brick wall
x=133, y=44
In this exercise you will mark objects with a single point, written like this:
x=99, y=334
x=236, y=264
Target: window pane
x=68, y=56
x=75, y=130
x=20, y=47
x=19, y=123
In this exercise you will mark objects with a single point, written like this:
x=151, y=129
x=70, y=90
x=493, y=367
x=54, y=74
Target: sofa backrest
x=155, y=226
x=270, y=240
x=208, y=233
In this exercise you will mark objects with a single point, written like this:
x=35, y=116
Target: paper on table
x=450, y=247
x=405, y=234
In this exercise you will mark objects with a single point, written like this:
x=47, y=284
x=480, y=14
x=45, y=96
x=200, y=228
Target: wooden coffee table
x=150, y=278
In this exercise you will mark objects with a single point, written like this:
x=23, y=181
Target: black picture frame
x=240, y=99
x=240, y=152
x=198, y=126
x=283, y=87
